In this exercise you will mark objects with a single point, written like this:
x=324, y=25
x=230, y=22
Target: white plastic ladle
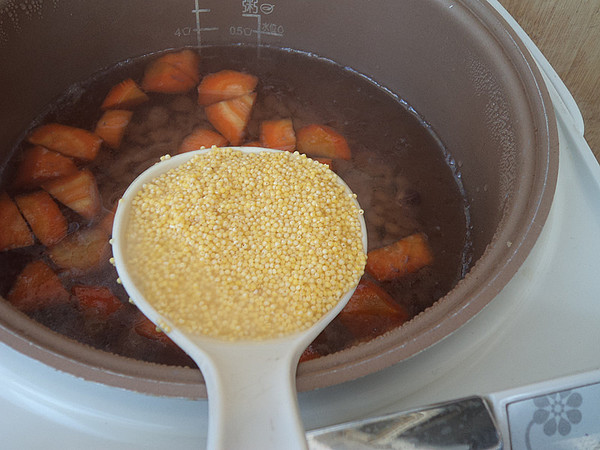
x=251, y=384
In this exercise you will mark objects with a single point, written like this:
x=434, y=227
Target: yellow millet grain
x=245, y=246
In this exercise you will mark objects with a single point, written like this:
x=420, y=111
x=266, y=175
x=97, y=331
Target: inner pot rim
x=502, y=257
x=92, y=364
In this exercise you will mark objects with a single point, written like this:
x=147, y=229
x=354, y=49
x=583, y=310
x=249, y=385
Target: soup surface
x=404, y=178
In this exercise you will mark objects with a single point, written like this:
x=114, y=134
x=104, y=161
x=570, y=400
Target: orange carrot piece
x=112, y=125
x=37, y=286
x=201, y=137
x=97, y=300
x=39, y=165
x=173, y=73
x=15, y=232
x=321, y=140
x=165, y=78
x=78, y=191
x=187, y=61
x=278, y=134
x=327, y=161
x=225, y=85
x=84, y=251
x=405, y=256
x=371, y=311
x=252, y=144
x=125, y=95
x=44, y=216
x=69, y=141
x=145, y=328
x=106, y=223
x=230, y=117
x=309, y=353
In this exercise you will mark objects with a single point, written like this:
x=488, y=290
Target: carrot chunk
x=106, y=223
x=327, y=161
x=84, y=251
x=278, y=134
x=37, y=286
x=97, y=300
x=44, y=216
x=201, y=137
x=145, y=328
x=225, y=85
x=165, y=78
x=173, y=73
x=125, y=95
x=405, y=256
x=112, y=125
x=69, y=141
x=371, y=311
x=78, y=191
x=39, y=165
x=185, y=60
x=230, y=117
x=321, y=140
x=309, y=353
x=15, y=232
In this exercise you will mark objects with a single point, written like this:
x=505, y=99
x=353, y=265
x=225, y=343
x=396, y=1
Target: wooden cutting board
x=568, y=34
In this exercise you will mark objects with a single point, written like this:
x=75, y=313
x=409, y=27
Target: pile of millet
x=245, y=246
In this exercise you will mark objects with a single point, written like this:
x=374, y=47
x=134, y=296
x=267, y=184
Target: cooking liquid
x=404, y=177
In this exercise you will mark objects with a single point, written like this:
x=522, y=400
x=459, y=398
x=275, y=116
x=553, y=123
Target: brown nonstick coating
x=455, y=62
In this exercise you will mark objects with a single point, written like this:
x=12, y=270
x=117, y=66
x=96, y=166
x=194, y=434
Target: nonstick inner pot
x=455, y=62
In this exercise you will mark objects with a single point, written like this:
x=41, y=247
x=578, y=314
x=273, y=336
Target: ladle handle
x=252, y=401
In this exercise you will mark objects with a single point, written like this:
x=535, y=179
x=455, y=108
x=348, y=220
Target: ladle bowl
x=250, y=384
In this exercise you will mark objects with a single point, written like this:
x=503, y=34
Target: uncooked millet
x=245, y=246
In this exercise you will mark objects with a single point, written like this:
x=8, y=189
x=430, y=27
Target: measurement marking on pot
x=198, y=29
x=251, y=9
x=257, y=31
x=262, y=28
x=272, y=29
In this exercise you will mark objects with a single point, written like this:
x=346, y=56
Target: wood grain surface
x=568, y=34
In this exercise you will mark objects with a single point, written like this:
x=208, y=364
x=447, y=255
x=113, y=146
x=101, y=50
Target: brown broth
x=404, y=178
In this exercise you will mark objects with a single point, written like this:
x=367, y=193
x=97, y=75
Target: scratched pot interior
x=454, y=62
